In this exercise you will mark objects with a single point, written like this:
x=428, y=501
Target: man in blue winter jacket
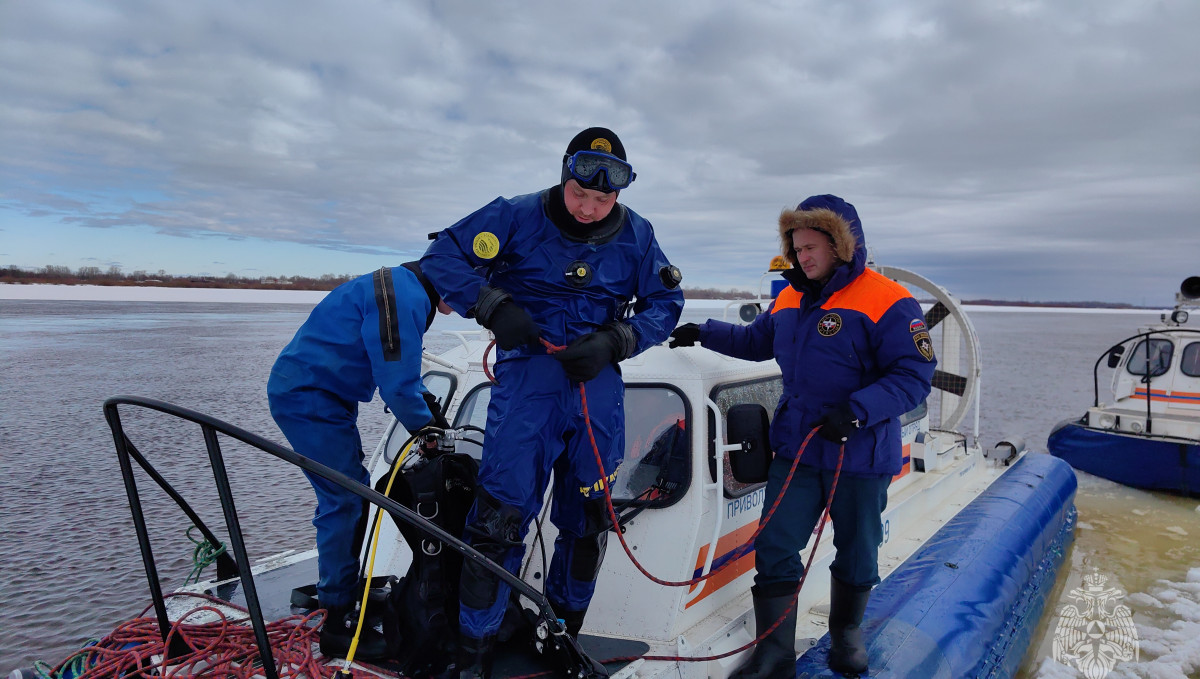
x=855, y=355
x=572, y=267
x=365, y=334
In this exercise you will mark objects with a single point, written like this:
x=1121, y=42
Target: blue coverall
x=346, y=349
x=535, y=423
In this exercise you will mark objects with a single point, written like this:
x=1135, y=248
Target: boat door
x=654, y=476
x=682, y=515
x=1185, y=390
x=1145, y=371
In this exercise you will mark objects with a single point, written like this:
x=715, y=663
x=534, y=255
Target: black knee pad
x=588, y=551
x=495, y=530
x=360, y=528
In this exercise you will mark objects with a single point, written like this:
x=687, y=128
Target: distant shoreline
x=143, y=293
x=139, y=293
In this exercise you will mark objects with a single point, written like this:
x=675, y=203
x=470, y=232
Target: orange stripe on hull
x=1169, y=397
x=727, y=544
x=906, y=457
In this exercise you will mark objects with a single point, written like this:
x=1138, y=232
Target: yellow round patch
x=602, y=144
x=486, y=245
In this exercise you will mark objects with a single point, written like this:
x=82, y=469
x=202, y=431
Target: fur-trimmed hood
x=836, y=218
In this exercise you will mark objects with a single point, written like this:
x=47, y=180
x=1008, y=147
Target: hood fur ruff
x=822, y=219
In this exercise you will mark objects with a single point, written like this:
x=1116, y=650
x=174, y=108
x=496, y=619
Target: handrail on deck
x=210, y=426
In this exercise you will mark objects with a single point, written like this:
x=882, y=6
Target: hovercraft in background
x=1149, y=436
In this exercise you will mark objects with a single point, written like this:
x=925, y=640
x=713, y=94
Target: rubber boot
x=474, y=657
x=338, y=632
x=775, y=656
x=847, y=650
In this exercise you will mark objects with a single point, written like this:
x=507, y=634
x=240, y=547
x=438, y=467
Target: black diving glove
x=839, y=425
x=584, y=358
x=439, y=418
x=685, y=335
x=513, y=326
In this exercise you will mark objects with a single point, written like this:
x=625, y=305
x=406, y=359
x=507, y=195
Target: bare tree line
x=94, y=275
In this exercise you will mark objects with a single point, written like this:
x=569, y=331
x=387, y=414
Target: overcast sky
x=1018, y=150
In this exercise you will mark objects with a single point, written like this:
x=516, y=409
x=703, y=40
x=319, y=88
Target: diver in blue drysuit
x=365, y=334
x=855, y=355
x=562, y=265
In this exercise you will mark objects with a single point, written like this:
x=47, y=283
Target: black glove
x=685, y=335
x=439, y=418
x=513, y=326
x=839, y=425
x=584, y=358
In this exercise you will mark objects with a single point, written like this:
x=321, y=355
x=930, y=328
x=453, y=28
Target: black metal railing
x=238, y=562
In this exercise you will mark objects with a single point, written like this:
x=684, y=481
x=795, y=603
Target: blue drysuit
x=350, y=345
x=859, y=339
x=535, y=421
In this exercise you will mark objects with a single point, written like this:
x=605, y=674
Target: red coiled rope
x=222, y=648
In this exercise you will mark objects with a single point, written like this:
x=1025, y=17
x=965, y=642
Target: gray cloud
x=1009, y=149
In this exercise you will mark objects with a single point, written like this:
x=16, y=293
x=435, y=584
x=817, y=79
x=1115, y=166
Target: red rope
x=219, y=649
x=799, y=586
x=550, y=349
x=745, y=547
x=741, y=550
x=612, y=514
x=226, y=648
x=486, y=371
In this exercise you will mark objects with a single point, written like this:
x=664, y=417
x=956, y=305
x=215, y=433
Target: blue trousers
x=535, y=427
x=325, y=430
x=856, y=514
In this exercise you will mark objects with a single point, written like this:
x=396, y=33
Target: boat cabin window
x=441, y=385
x=657, y=466
x=658, y=447
x=473, y=411
x=1159, y=352
x=1189, y=361
x=915, y=414
x=765, y=392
